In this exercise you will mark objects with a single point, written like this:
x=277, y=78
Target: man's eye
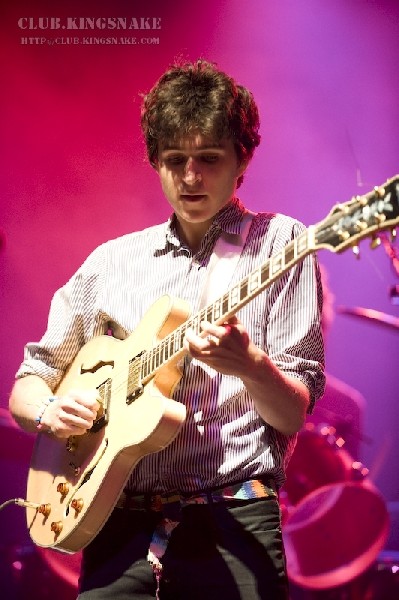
x=210, y=158
x=174, y=160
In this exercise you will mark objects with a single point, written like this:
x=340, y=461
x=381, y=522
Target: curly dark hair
x=198, y=97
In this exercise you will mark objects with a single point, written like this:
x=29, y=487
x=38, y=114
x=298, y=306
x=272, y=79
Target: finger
x=233, y=320
x=74, y=404
x=199, y=346
x=88, y=398
x=76, y=421
x=212, y=340
x=216, y=334
x=227, y=329
x=192, y=340
x=211, y=332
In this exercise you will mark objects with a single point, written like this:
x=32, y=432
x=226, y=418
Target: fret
x=302, y=242
x=176, y=344
x=254, y=281
x=265, y=273
x=234, y=296
x=158, y=350
x=208, y=314
x=276, y=264
x=182, y=332
x=153, y=360
x=225, y=304
x=205, y=314
x=216, y=310
x=157, y=354
x=290, y=253
x=144, y=368
x=171, y=342
x=164, y=351
x=148, y=361
x=244, y=289
x=194, y=323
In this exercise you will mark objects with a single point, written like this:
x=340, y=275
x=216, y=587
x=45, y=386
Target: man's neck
x=193, y=233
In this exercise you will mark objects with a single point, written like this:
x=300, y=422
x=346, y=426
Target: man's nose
x=192, y=171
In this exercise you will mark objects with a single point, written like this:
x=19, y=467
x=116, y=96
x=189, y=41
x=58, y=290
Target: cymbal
x=15, y=444
x=370, y=314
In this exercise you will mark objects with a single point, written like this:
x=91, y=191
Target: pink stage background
x=73, y=169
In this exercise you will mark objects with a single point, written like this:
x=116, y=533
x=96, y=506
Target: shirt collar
x=228, y=220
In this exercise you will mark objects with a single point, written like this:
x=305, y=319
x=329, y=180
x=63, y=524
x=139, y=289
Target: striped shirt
x=223, y=439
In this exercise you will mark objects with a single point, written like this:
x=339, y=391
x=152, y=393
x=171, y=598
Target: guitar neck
x=343, y=227
x=171, y=347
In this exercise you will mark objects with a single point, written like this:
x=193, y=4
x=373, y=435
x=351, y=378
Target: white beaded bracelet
x=46, y=402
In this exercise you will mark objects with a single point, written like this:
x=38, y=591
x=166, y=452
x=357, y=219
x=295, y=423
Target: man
x=247, y=383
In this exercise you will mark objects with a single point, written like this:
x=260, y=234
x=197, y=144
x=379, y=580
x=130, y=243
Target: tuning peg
x=379, y=219
x=379, y=191
x=375, y=242
x=343, y=235
x=362, y=200
x=356, y=251
x=342, y=208
x=361, y=225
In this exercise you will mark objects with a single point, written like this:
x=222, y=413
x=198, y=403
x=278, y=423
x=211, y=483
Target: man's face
x=198, y=177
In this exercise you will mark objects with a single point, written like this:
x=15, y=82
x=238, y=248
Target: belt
x=245, y=490
x=170, y=505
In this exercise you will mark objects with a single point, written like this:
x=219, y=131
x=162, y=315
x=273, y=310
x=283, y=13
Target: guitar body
x=78, y=481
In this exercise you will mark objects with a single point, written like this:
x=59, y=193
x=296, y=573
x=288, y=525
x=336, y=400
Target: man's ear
x=242, y=167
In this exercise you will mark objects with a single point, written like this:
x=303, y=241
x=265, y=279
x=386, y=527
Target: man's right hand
x=72, y=414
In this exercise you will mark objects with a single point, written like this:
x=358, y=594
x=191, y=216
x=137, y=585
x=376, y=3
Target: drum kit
x=334, y=520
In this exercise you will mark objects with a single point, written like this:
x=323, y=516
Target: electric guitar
x=74, y=484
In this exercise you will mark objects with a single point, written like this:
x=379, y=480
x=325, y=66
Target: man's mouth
x=193, y=197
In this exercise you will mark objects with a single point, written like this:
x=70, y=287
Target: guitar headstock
x=361, y=217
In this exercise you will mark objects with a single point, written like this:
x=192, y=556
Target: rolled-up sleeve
x=294, y=335
x=71, y=323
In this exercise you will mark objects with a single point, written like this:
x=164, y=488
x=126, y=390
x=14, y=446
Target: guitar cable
x=19, y=502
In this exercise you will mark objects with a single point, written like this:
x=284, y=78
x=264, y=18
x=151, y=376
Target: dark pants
x=222, y=551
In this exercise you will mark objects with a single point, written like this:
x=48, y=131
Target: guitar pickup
x=134, y=386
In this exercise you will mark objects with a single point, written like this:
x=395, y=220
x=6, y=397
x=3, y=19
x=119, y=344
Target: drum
x=319, y=459
x=334, y=534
